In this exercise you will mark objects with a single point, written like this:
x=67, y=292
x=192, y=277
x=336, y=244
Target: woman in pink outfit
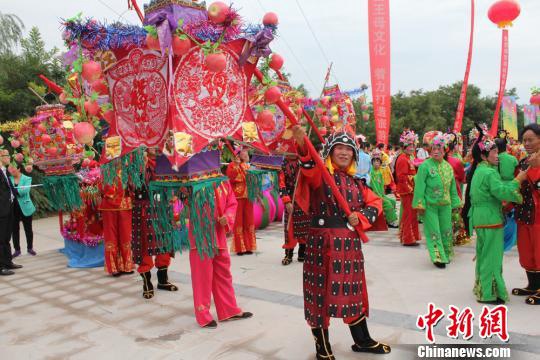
x=212, y=276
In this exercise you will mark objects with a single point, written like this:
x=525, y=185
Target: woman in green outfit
x=435, y=196
x=377, y=185
x=487, y=193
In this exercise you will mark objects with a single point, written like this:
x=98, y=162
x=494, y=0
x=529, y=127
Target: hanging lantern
x=503, y=12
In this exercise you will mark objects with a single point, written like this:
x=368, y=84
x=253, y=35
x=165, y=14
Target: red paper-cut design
x=211, y=104
x=139, y=95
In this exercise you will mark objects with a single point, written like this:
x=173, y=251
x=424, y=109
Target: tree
x=11, y=28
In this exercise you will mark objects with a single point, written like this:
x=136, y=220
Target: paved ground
x=48, y=311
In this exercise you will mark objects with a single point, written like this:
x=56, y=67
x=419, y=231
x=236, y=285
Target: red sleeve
x=235, y=173
x=310, y=172
x=283, y=189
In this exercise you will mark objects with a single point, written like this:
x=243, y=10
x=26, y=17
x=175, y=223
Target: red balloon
x=276, y=62
x=180, y=46
x=503, y=12
x=535, y=99
x=272, y=95
x=270, y=18
x=91, y=71
x=216, y=62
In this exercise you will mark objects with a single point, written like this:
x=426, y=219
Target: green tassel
x=63, y=192
x=254, y=181
x=131, y=167
x=200, y=215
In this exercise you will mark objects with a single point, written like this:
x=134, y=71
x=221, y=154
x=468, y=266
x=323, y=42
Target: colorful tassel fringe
x=63, y=192
x=130, y=167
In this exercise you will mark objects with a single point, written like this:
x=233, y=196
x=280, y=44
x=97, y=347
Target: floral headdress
x=441, y=140
x=473, y=134
x=408, y=137
x=486, y=144
x=429, y=136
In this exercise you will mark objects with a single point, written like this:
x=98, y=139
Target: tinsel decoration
x=94, y=35
x=199, y=213
x=130, y=167
x=63, y=192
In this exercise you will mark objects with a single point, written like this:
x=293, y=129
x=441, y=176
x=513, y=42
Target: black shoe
x=163, y=280
x=211, y=325
x=322, y=344
x=242, y=316
x=248, y=253
x=116, y=274
x=6, y=272
x=148, y=288
x=412, y=244
x=533, y=299
x=13, y=266
x=363, y=341
x=241, y=253
x=532, y=288
x=439, y=265
x=127, y=272
x=392, y=226
x=301, y=252
x=288, y=257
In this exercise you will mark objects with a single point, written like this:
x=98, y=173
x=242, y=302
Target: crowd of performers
x=492, y=193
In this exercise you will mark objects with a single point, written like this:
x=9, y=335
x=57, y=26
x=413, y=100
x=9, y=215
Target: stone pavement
x=49, y=311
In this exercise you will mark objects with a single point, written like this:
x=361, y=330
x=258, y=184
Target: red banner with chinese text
x=379, y=56
x=458, y=123
x=502, y=86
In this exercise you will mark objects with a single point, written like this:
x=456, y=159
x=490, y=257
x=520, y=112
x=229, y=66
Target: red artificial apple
x=46, y=139
x=42, y=128
x=91, y=107
x=84, y=133
x=216, y=62
x=270, y=18
x=272, y=95
x=152, y=42
x=18, y=157
x=52, y=151
x=63, y=98
x=217, y=12
x=276, y=62
x=1, y=140
x=15, y=143
x=265, y=119
x=180, y=46
x=91, y=70
x=109, y=116
x=100, y=87
x=535, y=99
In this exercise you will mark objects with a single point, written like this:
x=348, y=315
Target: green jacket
x=488, y=191
x=507, y=166
x=435, y=185
x=377, y=182
x=27, y=207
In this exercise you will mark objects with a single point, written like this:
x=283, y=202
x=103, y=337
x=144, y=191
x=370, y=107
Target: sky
x=429, y=39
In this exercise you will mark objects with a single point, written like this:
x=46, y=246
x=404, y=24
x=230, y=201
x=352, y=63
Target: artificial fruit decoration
x=216, y=62
x=272, y=95
x=91, y=71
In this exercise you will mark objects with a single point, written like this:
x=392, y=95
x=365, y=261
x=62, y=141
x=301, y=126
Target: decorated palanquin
x=263, y=185
x=51, y=145
x=83, y=230
x=338, y=110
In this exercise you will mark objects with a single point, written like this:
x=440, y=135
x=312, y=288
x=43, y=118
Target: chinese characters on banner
x=502, y=86
x=492, y=322
x=463, y=97
x=529, y=112
x=509, y=115
x=379, y=55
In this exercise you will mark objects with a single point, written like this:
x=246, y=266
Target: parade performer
x=244, y=227
x=460, y=235
x=487, y=193
x=334, y=279
x=528, y=217
x=211, y=277
x=435, y=196
x=146, y=250
x=116, y=212
x=377, y=185
x=300, y=221
x=363, y=165
x=387, y=172
x=405, y=172
x=507, y=168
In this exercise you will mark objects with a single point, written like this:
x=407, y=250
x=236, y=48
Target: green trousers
x=489, y=284
x=389, y=209
x=438, y=232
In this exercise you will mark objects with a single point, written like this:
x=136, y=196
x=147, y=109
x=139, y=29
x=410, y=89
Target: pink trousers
x=212, y=277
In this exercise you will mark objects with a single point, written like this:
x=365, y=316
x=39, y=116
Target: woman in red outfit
x=334, y=279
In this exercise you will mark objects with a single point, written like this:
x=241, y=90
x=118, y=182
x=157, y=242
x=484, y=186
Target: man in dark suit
x=7, y=196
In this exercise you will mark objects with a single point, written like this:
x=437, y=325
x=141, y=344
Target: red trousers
x=528, y=242
x=408, y=227
x=162, y=260
x=244, y=228
x=212, y=277
x=117, y=234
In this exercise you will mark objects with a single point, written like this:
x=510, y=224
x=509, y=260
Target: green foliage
x=11, y=27
x=17, y=71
